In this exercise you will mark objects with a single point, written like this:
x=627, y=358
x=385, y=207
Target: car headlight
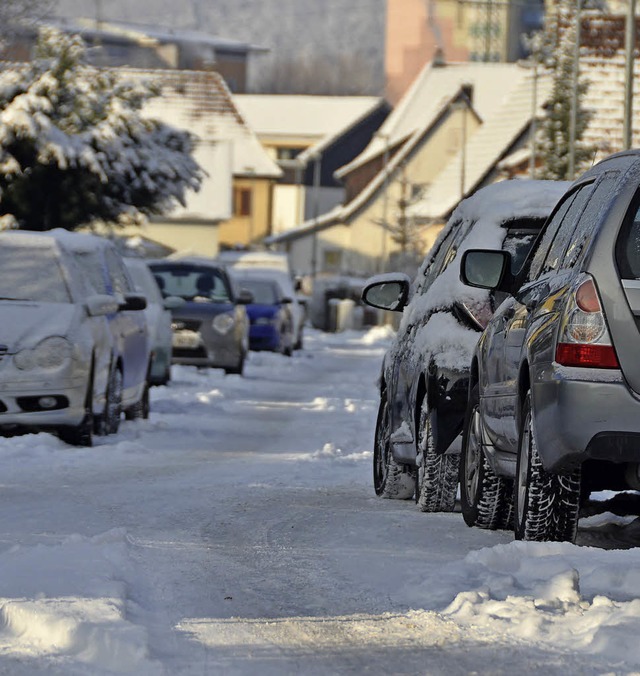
x=223, y=323
x=50, y=353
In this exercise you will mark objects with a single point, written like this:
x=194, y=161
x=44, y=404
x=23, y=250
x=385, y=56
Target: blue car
x=270, y=318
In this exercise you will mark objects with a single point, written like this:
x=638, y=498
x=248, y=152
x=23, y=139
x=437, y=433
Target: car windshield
x=90, y=264
x=193, y=283
x=264, y=292
x=18, y=281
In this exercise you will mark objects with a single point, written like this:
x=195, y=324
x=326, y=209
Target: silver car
x=554, y=410
x=56, y=346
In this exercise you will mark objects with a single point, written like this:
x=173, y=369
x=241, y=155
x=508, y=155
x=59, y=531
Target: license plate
x=186, y=339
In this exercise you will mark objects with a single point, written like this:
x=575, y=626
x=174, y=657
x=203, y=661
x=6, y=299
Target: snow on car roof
x=488, y=209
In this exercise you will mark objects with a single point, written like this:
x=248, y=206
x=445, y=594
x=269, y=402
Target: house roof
x=320, y=119
x=424, y=99
x=137, y=32
x=200, y=102
x=488, y=145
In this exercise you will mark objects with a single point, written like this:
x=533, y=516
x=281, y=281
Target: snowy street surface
x=237, y=532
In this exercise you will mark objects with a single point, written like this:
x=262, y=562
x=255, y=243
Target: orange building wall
x=411, y=41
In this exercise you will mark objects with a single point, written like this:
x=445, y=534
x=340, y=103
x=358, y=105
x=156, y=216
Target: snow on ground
x=236, y=532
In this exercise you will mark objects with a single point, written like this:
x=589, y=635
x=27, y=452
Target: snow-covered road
x=236, y=532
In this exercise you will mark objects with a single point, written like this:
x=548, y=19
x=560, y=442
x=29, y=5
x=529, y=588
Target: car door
x=527, y=314
x=407, y=362
x=131, y=327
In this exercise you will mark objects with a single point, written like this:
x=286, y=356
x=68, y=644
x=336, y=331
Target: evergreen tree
x=555, y=135
x=75, y=147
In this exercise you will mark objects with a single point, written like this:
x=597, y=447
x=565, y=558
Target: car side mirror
x=487, y=269
x=100, y=304
x=133, y=302
x=387, y=292
x=245, y=297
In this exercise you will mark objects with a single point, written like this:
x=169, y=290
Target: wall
x=256, y=226
x=184, y=237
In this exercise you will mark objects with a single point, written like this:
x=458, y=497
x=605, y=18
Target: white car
x=158, y=318
x=56, y=343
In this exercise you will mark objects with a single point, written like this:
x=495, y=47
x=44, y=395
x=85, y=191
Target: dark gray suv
x=554, y=409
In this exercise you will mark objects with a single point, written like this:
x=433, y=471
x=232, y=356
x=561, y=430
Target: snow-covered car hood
x=24, y=324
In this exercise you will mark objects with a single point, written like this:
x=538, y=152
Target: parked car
x=158, y=316
x=555, y=378
x=211, y=328
x=57, y=347
x=276, y=265
x=270, y=317
x=103, y=267
x=424, y=378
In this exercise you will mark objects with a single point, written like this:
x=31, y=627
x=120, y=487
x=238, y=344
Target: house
x=418, y=32
x=119, y=44
x=310, y=137
x=233, y=204
x=446, y=136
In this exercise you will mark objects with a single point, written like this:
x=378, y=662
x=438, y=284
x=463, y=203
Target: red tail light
x=580, y=354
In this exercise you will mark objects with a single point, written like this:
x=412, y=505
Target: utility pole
x=630, y=45
x=573, y=120
x=385, y=202
x=316, y=210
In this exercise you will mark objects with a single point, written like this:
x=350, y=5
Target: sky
x=236, y=531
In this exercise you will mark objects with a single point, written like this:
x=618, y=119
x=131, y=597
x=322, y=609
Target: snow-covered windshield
x=90, y=263
x=198, y=283
x=19, y=281
x=264, y=292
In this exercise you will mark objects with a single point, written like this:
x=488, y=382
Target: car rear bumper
x=583, y=414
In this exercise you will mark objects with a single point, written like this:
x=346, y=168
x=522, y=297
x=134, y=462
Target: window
x=117, y=273
x=242, y=202
x=287, y=153
x=548, y=250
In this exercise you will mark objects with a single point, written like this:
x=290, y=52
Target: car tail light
x=584, y=337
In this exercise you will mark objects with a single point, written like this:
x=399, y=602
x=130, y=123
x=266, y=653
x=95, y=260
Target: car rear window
x=193, y=283
x=18, y=281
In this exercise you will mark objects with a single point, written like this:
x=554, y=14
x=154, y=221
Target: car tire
x=546, y=504
x=299, y=344
x=81, y=435
x=390, y=479
x=437, y=473
x=141, y=408
x=486, y=499
x=110, y=419
x=237, y=370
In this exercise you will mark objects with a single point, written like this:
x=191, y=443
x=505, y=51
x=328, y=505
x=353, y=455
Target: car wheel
x=299, y=344
x=486, y=499
x=141, y=408
x=237, y=369
x=113, y=408
x=546, y=504
x=437, y=475
x=82, y=434
x=390, y=478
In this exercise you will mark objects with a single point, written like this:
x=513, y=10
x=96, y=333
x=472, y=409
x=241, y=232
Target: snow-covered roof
x=424, y=99
x=320, y=119
x=200, y=102
x=486, y=146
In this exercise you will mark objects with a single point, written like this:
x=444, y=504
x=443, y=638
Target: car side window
x=117, y=273
x=564, y=235
x=589, y=221
x=628, y=244
x=546, y=241
x=445, y=254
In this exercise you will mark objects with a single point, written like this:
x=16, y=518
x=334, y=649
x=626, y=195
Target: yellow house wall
x=245, y=230
x=369, y=242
